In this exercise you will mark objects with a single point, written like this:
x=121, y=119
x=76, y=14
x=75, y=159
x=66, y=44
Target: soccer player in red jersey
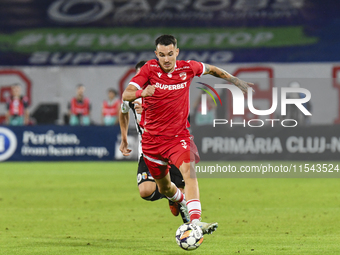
x=164, y=85
x=146, y=184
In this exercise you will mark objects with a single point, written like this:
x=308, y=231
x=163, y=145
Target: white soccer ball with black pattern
x=189, y=236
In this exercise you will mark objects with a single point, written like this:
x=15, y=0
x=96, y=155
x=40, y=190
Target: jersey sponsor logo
x=8, y=143
x=171, y=87
x=159, y=75
x=181, y=68
x=183, y=75
x=184, y=144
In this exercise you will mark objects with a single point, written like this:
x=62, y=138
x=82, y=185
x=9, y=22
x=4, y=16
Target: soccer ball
x=189, y=236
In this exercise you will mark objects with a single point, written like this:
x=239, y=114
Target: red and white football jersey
x=167, y=111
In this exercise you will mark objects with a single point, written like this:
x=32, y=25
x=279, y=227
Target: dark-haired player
x=164, y=85
x=146, y=184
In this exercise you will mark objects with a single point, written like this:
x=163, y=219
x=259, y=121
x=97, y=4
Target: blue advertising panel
x=57, y=143
x=109, y=32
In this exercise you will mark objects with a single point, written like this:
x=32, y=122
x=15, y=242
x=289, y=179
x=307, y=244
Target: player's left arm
x=220, y=73
x=124, y=125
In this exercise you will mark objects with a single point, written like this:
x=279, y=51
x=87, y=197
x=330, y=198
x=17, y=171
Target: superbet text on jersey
x=167, y=110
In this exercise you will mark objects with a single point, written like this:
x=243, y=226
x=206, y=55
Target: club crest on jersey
x=183, y=75
x=159, y=75
x=184, y=144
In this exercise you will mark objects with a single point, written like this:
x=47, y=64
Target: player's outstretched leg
x=193, y=203
x=178, y=209
x=146, y=184
x=176, y=200
x=177, y=178
x=165, y=186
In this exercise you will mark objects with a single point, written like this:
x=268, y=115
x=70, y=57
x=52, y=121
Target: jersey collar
x=174, y=68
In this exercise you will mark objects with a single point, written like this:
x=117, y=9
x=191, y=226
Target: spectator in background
x=17, y=112
x=79, y=108
x=110, y=109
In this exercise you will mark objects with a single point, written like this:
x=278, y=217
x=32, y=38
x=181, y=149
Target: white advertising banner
x=58, y=85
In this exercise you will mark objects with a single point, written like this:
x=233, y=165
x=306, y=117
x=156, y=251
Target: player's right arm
x=135, y=88
x=124, y=118
x=131, y=93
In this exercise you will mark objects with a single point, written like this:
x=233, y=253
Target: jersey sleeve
x=197, y=67
x=141, y=77
x=125, y=107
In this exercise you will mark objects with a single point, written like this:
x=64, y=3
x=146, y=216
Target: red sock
x=178, y=197
x=194, y=208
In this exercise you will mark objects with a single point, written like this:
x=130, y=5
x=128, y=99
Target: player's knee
x=151, y=193
x=146, y=189
x=145, y=194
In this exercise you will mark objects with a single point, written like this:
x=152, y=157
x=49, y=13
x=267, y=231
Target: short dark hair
x=166, y=40
x=140, y=64
x=112, y=90
x=80, y=85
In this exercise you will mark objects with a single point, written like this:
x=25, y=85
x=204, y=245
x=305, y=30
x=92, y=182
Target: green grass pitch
x=94, y=208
